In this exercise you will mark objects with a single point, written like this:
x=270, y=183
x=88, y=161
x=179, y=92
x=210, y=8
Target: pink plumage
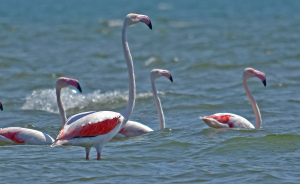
x=95, y=129
x=228, y=120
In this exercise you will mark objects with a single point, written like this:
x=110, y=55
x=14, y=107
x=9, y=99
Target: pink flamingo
x=29, y=136
x=95, y=129
x=133, y=128
x=18, y=135
x=61, y=83
x=228, y=120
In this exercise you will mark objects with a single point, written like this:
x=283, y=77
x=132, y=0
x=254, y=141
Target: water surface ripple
x=206, y=45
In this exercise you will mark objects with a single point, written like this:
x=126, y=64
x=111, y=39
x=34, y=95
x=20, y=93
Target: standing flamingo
x=133, y=128
x=228, y=120
x=18, y=135
x=95, y=129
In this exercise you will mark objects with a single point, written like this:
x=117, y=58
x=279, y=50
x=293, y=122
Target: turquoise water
x=206, y=45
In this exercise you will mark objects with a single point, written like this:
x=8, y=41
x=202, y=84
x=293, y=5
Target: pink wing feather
x=225, y=119
x=12, y=135
x=94, y=124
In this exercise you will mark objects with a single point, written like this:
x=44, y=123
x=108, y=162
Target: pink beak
x=261, y=76
x=74, y=83
x=167, y=74
x=146, y=20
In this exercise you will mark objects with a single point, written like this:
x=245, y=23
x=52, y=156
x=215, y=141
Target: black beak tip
x=264, y=82
x=1, y=107
x=150, y=25
x=79, y=88
x=171, y=78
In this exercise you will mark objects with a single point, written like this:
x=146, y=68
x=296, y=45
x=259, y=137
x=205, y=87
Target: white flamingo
x=228, y=120
x=133, y=128
x=19, y=135
x=95, y=129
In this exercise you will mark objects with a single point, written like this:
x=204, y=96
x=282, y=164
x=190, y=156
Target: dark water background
x=206, y=45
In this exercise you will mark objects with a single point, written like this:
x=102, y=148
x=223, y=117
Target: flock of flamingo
x=95, y=129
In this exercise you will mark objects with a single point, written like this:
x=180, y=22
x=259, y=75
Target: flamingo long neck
x=131, y=99
x=254, y=104
x=61, y=108
x=158, y=106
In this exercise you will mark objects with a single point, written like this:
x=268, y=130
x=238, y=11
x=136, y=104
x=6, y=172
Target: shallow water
x=205, y=45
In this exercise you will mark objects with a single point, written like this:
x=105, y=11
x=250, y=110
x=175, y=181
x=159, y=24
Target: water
x=205, y=45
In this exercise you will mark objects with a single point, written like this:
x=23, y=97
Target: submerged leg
x=87, y=150
x=98, y=149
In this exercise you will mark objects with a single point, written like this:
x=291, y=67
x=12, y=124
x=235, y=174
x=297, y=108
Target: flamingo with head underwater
x=95, y=129
x=133, y=128
x=19, y=135
x=228, y=120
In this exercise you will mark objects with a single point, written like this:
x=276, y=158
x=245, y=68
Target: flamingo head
x=156, y=73
x=1, y=107
x=250, y=72
x=64, y=82
x=133, y=18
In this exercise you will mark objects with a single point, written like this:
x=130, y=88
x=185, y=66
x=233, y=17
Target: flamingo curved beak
x=1, y=107
x=146, y=20
x=150, y=25
x=79, y=88
x=264, y=82
x=171, y=78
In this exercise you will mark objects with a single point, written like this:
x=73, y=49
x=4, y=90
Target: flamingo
x=95, y=129
x=19, y=135
x=228, y=120
x=61, y=83
x=133, y=128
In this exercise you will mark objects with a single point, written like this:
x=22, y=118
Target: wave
x=112, y=23
x=45, y=100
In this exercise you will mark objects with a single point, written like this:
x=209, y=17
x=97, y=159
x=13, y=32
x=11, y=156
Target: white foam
x=150, y=60
x=165, y=6
x=113, y=23
x=46, y=99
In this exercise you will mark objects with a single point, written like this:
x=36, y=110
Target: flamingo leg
x=98, y=149
x=87, y=156
x=87, y=150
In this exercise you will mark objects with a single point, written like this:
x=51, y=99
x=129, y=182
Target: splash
x=45, y=100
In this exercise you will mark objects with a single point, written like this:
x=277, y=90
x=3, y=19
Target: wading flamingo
x=133, y=128
x=228, y=120
x=61, y=83
x=18, y=135
x=95, y=129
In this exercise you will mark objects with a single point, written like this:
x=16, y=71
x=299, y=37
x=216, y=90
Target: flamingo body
x=133, y=128
x=227, y=120
x=24, y=136
x=91, y=130
x=94, y=129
